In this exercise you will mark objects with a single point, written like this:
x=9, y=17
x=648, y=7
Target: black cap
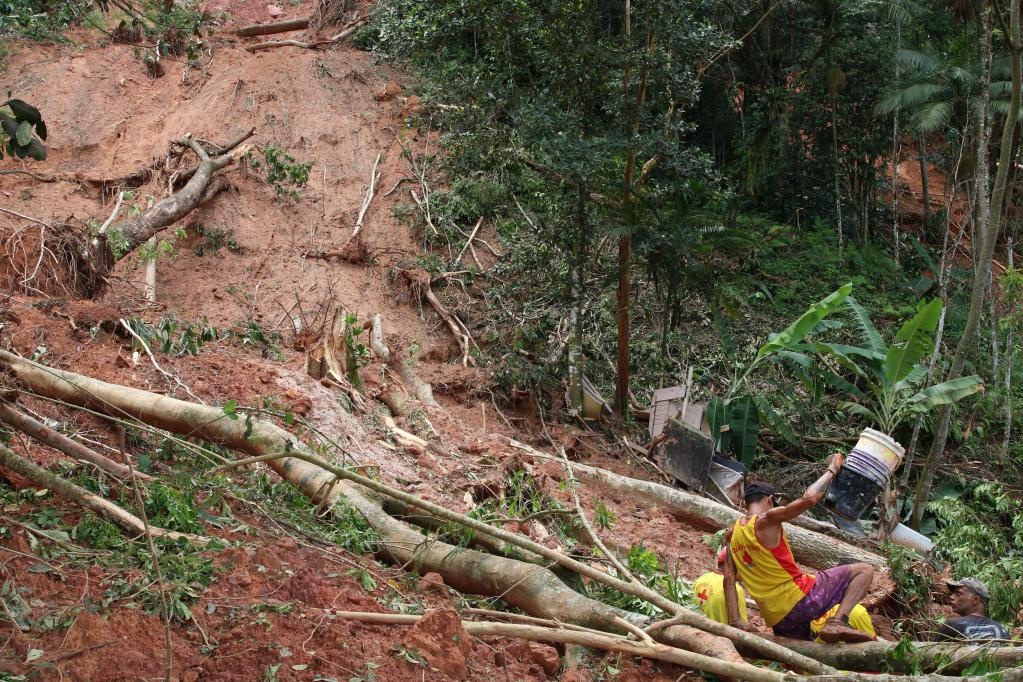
x=758, y=489
x=973, y=585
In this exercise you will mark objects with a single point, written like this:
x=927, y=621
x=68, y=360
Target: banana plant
x=886, y=379
x=735, y=419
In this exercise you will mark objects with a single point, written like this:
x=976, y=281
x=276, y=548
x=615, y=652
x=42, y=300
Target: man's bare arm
x=813, y=495
x=731, y=597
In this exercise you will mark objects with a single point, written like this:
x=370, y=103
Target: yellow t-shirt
x=859, y=619
x=709, y=588
x=771, y=575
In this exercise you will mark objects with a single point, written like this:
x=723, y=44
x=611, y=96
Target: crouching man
x=790, y=600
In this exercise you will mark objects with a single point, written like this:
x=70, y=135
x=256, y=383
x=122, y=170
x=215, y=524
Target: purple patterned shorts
x=827, y=591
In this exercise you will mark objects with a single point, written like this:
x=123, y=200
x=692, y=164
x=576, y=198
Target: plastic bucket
x=868, y=466
x=881, y=447
x=851, y=494
x=907, y=537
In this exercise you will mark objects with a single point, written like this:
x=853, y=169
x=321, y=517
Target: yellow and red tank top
x=771, y=576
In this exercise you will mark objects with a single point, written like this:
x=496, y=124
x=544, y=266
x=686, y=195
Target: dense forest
x=501, y=226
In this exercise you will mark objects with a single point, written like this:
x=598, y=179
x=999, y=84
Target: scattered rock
x=390, y=91
x=577, y=675
x=545, y=657
x=413, y=105
x=442, y=641
x=432, y=582
x=301, y=405
x=274, y=11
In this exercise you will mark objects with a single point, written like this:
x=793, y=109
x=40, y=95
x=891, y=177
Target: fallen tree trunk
x=810, y=547
x=273, y=27
x=595, y=640
x=72, y=448
x=82, y=497
x=531, y=588
x=135, y=232
x=950, y=657
x=658, y=652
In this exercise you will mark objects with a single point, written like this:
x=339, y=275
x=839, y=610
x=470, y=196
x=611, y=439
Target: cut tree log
x=399, y=363
x=82, y=497
x=531, y=588
x=312, y=44
x=949, y=657
x=273, y=28
x=72, y=448
x=809, y=547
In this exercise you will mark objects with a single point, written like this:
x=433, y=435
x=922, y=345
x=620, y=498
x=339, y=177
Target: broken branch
x=82, y=497
x=72, y=448
x=273, y=27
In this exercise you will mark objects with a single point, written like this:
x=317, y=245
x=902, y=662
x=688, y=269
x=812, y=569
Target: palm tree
x=936, y=94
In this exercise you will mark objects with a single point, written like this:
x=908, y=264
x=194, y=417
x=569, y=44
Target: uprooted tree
x=77, y=260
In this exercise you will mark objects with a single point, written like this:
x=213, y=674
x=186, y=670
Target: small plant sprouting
x=604, y=517
x=214, y=239
x=252, y=333
x=282, y=171
x=410, y=655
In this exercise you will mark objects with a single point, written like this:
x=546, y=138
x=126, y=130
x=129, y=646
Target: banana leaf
x=916, y=342
x=716, y=418
x=743, y=428
x=862, y=411
x=870, y=333
x=946, y=393
x=915, y=375
x=777, y=421
x=725, y=334
x=805, y=323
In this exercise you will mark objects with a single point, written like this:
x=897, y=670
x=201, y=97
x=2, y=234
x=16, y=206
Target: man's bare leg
x=837, y=628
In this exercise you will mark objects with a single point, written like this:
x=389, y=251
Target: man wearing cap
x=709, y=588
x=789, y=600
x=969, y=601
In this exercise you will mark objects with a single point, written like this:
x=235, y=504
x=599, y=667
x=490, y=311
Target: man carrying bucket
x=789, y=600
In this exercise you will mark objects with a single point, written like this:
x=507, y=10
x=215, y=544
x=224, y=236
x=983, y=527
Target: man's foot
x=835, y=631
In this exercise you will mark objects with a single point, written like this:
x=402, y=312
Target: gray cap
x=972, y=584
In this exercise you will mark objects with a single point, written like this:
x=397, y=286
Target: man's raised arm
x=813, y=495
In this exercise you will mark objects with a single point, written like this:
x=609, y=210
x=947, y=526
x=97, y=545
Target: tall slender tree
x=988, y=237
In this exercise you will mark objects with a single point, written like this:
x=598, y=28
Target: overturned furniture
x=688, y=455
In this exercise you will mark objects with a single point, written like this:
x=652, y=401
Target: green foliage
x=735, y=419
x=282, y=171
x=890, y=375
x=22, y=126
x=176, y=29
x=172, y=509
x=214, y=239
x=37, y=19
x=645, y=566
x=980, y=534
x=251, y=332
x=173, y=336
x=163, y=247
x=347, y=528
x=603, y=516
x=913, y=586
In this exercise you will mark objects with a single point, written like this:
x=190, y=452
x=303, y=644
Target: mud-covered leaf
x=24, y=133
x=24, y=111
